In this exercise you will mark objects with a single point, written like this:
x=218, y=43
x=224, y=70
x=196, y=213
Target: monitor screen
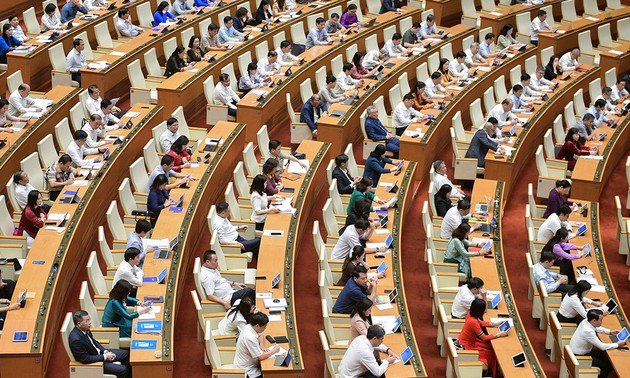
x=162, y=275
x=406, y=355
x=513, y=130
x=106, y=154
x=496, y=300
x=623, y=335
x=519, y=359
x=382, y=267
x=20, y=336
x=174, y=242
x=488, y=245
x=582, y=229
x=611, y=305
x=400, y=165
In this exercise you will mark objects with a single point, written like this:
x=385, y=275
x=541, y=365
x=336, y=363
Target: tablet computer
x=382, y=267
x=406, y=355
x=505, y=326
x=611, y=305
x=519, y=359
x=20, y=336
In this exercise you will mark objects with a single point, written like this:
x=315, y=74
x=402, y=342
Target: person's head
x=436, y=77
x=595, y=316
x=553, y=61
x=223, y=209
x=463, y=206
x=4, y=105
x=364, y=185
x=489, y=38
x=64, y=162
x=142, y=227
x=563, y=187
x=474, y=47
x=258, y=184
x=620, y=84
x=167, y=162
x=320, y=22
x=359, y=275
x=372, y=112
x=477, y=308
x=563, y=212
x=179, y=52
x=444, y=63
x=275, y=147
x=430, y=20
x=259, y=322
x=264, y=4
x=210, y=259
x=375, y=335
x=493, y=121
x=94, y=92
x=20, y=177
x=361, y=226
x=95, y=121
x=572, y=135
x=540, y=72
x=600, y=104
x=415, y=27
x=357, y=254
x=334, y=17
x=396, y=39
x=270, y=167
x=81, y=319
x=379, y=151
x=363, y=308
x=331, y=81
x=361, y=208
x=542, y=15
x=50, y=9
x=106, y=106
x=159, y=183
x=525, y=79
x=575, y=53
x=180, y=144
x=507, y=103
x=121, y=290
x=352, y=9
x=562, y=235
x=272, y=56
x=517, y=90
x=580, y=289
x=213, y=29
x=252, y=68
x=76, y=3
x=475, y=284
x=78, y=44
x=547, y=259
x=14, y=20
x=285, y=46
x=439, y=167
x=462, y=231
x=24, y=89
x=506, y=30
x=606, y=93
x=123, y=13
x=315, y=100
x=347, y=67
x=460, y=56
x=341, y=161
x=588, y=119
x=79, y=137
x=444, y=192
x=34, y=199
x=408, y=100
x=194, y=42
x=241, y=12
x=419, y=88
x=244, y=306
x=162, y=8
x=132, y=256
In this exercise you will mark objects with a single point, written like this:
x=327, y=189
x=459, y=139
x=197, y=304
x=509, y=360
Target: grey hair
x=437, y=164
x=370, y=109
x=474, y=44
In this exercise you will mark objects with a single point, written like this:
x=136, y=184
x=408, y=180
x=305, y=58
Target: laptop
x=390, y=298
x=163, y=253
x=275, y=281
x=283, y=360
x=584, y=209
x=68, y=200
x=505, y=326
x=65, y=219
x=519, y=359
x=288, y=72
x=159, y=279
x=587, y=250
x=581, y=230
x=406, y=355
x=213, y=145
x=351, y=99
x=494, y=303
x=511, y=132
x=622, y=335
x=180, y=201
x=369, y=24
x=611, y=305
x=400, y=165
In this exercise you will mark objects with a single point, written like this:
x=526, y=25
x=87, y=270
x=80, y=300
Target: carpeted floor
x=189, y=352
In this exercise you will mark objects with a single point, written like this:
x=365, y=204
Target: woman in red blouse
x=573, y=147
x=474, y=335
x=178, y=152
x=358, y=71
x=33, y=217
x=273, y=184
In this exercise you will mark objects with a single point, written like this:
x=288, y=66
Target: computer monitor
x=581, y=230
x=106, y=154
x=22, y=296
x=275, y=281
x=180, y=201
x=513, y=130
x=406, y=355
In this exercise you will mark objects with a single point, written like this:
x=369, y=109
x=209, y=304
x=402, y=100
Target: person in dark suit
x=345, y=181
x=481, y=143
x=263, y=13
x=87, y=350
x=377, y=132
x=390, y=6
x=312, y=108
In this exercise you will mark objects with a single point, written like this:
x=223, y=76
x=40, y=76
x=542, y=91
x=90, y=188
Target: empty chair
x=460, y=133
x=588, y=54
x=476, y=114
x=499, y=87
x=249, y=158
x=103, y=39
x=214, y=113
x=595, y=89
x=550, y=147
x=154, y=71
x=30, y=21
x=144, y=14
x=139, y=178
x=523, y=23
x=47, y=152
x=59, y=75
x=558, y=129
x=63, y=134
x=578, y=102
x=568, y=11
x=590, y=7
x=613, y=4
x=547, y=175
x=142, y=90
x=469, y=13
x=297, y=33
x=118, y=229
x=488, y=100
x=623, y=29
x=370, y=43
x=605, y=38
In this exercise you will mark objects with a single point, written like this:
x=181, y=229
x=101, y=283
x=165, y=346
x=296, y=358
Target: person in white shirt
x=539, y=25
x=428, y=30
x=250, y=346
x=440, y=179
x=76, y=60
x=518, y=103
x=237, y=317
x=18, y=33
x=251, y=79
x=372, y=59
x=20, y=102
x=553, y=281
x=528, y=93
x=351, y=237
x=572, y=307
x=607, y=96
x=553, y=223
x=228, y=233
x=22, y=187
x=405, y=115
x=261, y=204
x=539, y=83
x=345, y=82
x=454, y=217
x=124, y=25
x=94, y=5
x=224, y=95
x=473, y=57
x=360, y=358
x=393, y=48
x=93, y=102
x=568, y=61
x=109, y=119
x=128, y=269
x=466, y=294
x=585, y=338
x=95, y=129
x=50, y=20
x=269, y=66
x=285, y=58
x=619, y=93
x=170, y=135
x=434, y=89
x=77, y=150
x=457, y=68
x=217, y=288
x=503, y=113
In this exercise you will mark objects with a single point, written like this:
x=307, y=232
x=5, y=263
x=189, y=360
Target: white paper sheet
x=297, y=168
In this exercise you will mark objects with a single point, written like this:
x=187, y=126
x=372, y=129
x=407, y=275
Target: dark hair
x=240, y=12
x=95, y=117
x=121, y=290
x=178, y=50
x=493, y=121
x=272, y=53
x=122, y=11
x=408, y=96
x=207, y=255
x=180, y=143
x=360, y=308
x=517, y=88
x=285, y=44
x=244, y=307
x=361, y=208
x=460, y=54
x=362, y=224
x=351, y=6
x=580, y=288
x=600, y=103
x=273, y=144
x=443, y=61
x=5, y=27
x=588, y=117
x=477, y=308
x=105, y=103
x=364, y=183
x=162, y=5
x=213, y=26
x=463, y=205
x=31, y=199
x=379, y=151
x=171, y=121
x=436, y=75
x=64, y=159
x=143, y=225
x=593, y=314
x=356, y=272
x=357, y=251
x=461, y=231
x=332, y=78
x=346, y=67
x=334, y=15
x=416, y=25
x=258, y=184
x=3, y=102
x=159, y=181
x=572, y=131
x=78, y=315
x=79, y=135
x=541, y=12
x=430, y=17
x=222, y=206
x=505, y=29
x=263, y=3
x=396, y=36
x=547, y=256
x=444, y=190
x=252, y=67
x=75, y=42
x=420, y=85
x=227, y=19
x=17, y=176
x=131, y=253
x=319, y=20
x=192, y=40
x=606, y=90
x=564, y=183
x=167, y=160
x=356, y=58
x=340, y=159
x=525, y=77
x=375, y=331
x=259, y=319
x=551, y=59
x=489, y=36
x=560, y=234
x=563, y=210
x=50, y=8
x=475, y=283
x=269, y=165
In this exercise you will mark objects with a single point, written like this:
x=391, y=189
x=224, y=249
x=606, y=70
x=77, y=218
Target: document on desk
x=386, y=306
x=80, y=183
x=156, y=243
x=98, y=165
x=275, y=318
x=382, y=231
x=132, y=114
x=151, y=314
x=414, y=134
x=593, y=157
x=32, y=115
x=615, y=52
x=508, y=150
x=297, y=168
x=501, y=320
x=591, y=18
x=54, y=228
x=598, y=288
x=58, y=217
x=118, y=53
x=285, y=207
x=281, y=352
x=278, y=233
x=42, y=103
x=483, y=68
x=455, y=87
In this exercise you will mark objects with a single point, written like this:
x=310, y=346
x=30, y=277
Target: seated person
x=21, y=186
x=375, y=163
x=553, y=69
x=446, y=79
x=260, y=202
x=129, y=269
x=572, y=307
x=428, y=29
x=263, y=13
x=481, y=143
x=561, y=248
x=503, y=113
x=6, y=117
x=597, y=110
x=410, y=37
x=311, y=111
x=572, y=148
x=77, y=150
x=333, y=26
x=70, y=10
x=93, y=102
x=345, y=82
x=405, y=115
x=170, y=135
x=420, y=100
x=454, y=217
x=181, y=7
x=553, y=281
x=285, y=58
x=242, y=20
x=457, y=251
x=76, y=60
x=569, y=61
x=33, y=217
x=219, y=289
x=158, y=198
x=7, y=42
x=473, y=57
x=176, y=62
x=228, y=233
x=466, y=294
x=529, y=94
x=349, y=18
x=268, y=66
x=362, y=359
x=360, y=318
x=559, y=196
x=20, y=101
x=270, y=171
x=210, y=40
x=249, y=346
x=538, y=81
x=377, y=132
x=50, y=20
x=166, y=168
x=442, y=200
x=143, y=227
x=355, y=258
x=457, y=68
x=393, y=48
x=518, y=102
x=116, y=314
x=360, y=210
x=275, y=152
x=124, y=25
x=87, y=350
x=329, y=95
x=60, y=174
x=548, y=228
x=227, y=32
x=390, y=6
x=238, y=316
x=585, y=128
x=345, y=182
x=359, y=71
x=107, y=114
x=539, y=25
x=195, y=52
x=485, y=47
x=355, y=290
x=162, y=15
x=180, y=155
x=94, y=5
x=619, y=93
x=251, y=80
x=224, y=95
x=318, y=34
x=96, y=131
x=363, y=189
x=441, y=179
x=610, y=107
x=433, y=88
x=353, y=235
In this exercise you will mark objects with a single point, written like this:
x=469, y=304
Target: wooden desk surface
x=507, y=15
x=494, y=274
x=618, y=58
x=447, y=12
x=42, y=315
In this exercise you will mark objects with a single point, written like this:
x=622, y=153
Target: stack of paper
x=297, y=168
x=151, y=314
x=32, y=115
x=42, y=103
x=285, y=206
x=99, y=65
x=156, y=243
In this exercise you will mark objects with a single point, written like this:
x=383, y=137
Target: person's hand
x=325, y=114
x=8, y=130
x=380, y=202
x=274, y=210
x=330, y=42
x=144, y=310
x=476, y=226
x=485, y=251
x=109, y=356
x=186, y=165
x=562, y=280
x=240, y=285
x=381, y=248
x=226, y=305
x=381, y=275
x=14, y=306
x=357, y=180
x=168, y=203
x=391, y=359
x=621, y=343
x=240, y=245
x=243, y=227
x=280, y=186
x=598, y=303
x=501, y=334
x=302, y=165
x=70, y=180
x=275, y=348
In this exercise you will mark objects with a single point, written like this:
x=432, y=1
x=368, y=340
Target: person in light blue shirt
x=204, y=3
x=181, y=7
x=597, y=110
x=227, y=33
x=485, y=47
x=318, y=35
x=135, y=239
x=162, y=15
x=519, y=106
x=69, y=11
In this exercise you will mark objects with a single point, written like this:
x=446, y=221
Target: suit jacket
x=375, y=129
x=82, y=348
x=343, y=181
x=479, y=146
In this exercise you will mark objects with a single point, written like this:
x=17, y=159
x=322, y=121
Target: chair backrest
x=249, y=157
x=278, y=38
x=229, y=69
x=14, y=204
x=550, y=150
x=467, y=41
x=362, y=124
x=47, y=151
x=310, y=20
x=388, y=32
x=488, y=99
x=198, y=285
x=169, y=46
x=306, y=90
x=421, y=72
x=371, y=44
x=106, y=252
x=243, y=61
x=613, y=4
x=318, y=241
x=156, y=132
x=329, y=170
x=468, y=8
x=336, y=65
x=595, y=89
x=87, y=304
x=585, y=43
x=603, y=35
x=515, y=76
x=330, y=222
x=297, y=33
x=569, y=115
x=30, y=21
x=611, y=75
x=57, y=57
x=181, y=120
x=203, y=26
x=89, y=55
x=446, y=51
x=333, y=194
x=63, y=134
x=103, y=39
x=394, y=96
x=568, y=10
x=66, y=327
x=382, y=114
x=262, y=49
x=136, y=77
x=292, y=116
x=353, y=168
x=499, y=87
x=545, y=55
x=186, y=35
x=530, y=64
x=578, y=102
x=558, y=129
x=83, y=97
x=456, y=152
x=151, y=63
x=115, y=223
x=145, y=18
x=262, y=137
x=236, y=211
x=620, y=221
x=95, y=275
x=458, y=127
x=139, y=176
x=126, y=197
x=30, y=165
x=240, y=180
x=590, y=7
x=523, y=22
x=623, y=28
x=14, y=81
x=350, y=51
x=6, y=220
x=482, y=34
x=476, y=114
x=77, y=116
x=541, y=164
x=434, y=63
x=208, y=89
x=320, y=78
x=403, y=83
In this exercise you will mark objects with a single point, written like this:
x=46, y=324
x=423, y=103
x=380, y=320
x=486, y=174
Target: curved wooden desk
x=507, y=15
